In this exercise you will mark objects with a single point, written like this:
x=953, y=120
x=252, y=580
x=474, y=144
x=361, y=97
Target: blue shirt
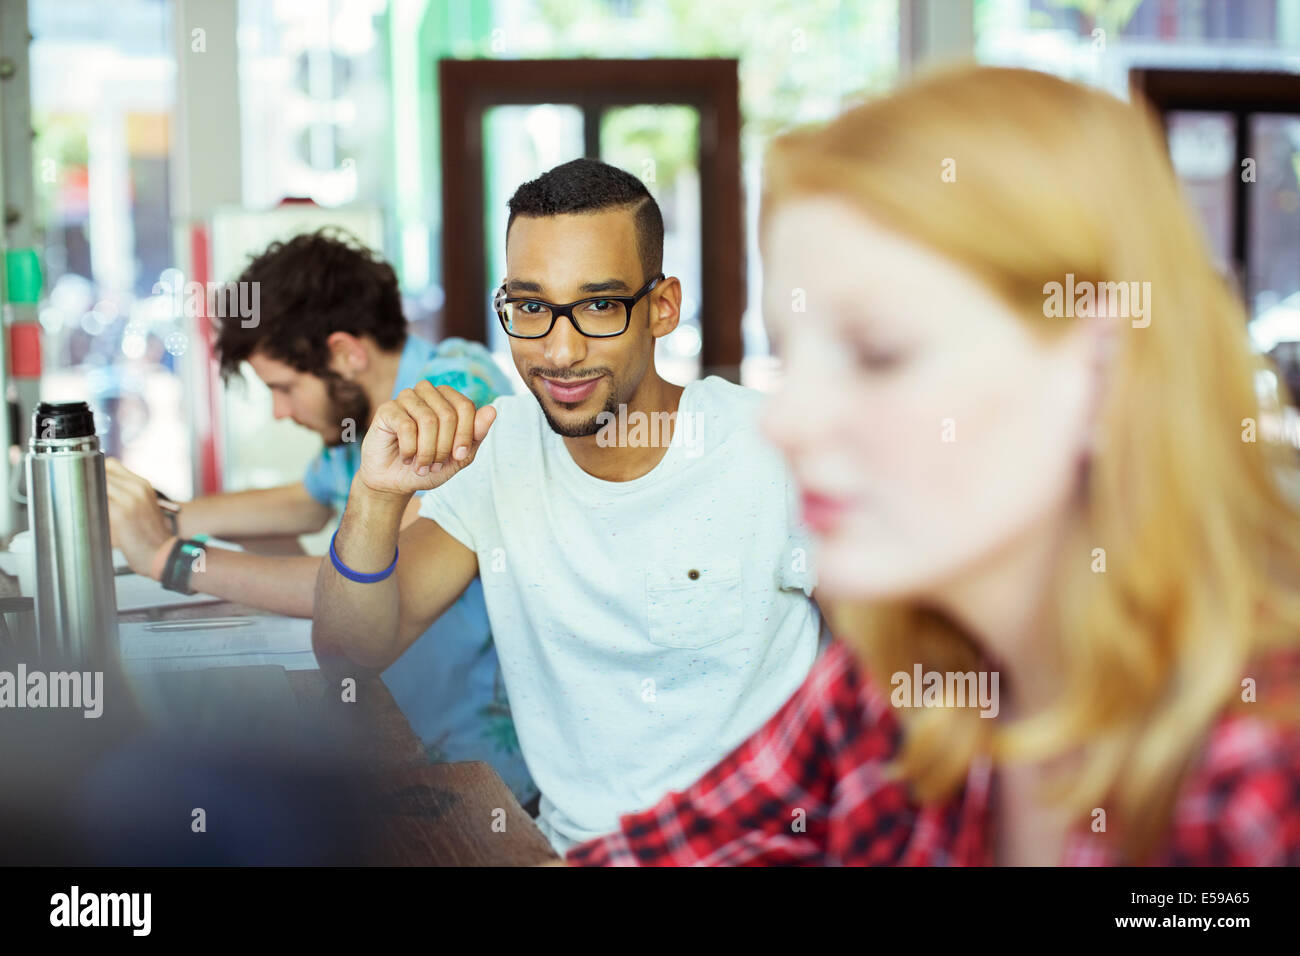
x=448, y=683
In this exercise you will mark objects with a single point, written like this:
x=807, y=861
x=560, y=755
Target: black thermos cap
x=63, y=420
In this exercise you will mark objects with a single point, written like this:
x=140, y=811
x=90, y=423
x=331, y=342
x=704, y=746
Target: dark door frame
x=1240, y=94
x=468, y=88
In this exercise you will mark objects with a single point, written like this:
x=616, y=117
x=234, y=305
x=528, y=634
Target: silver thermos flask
x=67, y=511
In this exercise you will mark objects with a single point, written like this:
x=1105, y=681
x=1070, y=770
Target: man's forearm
x=269, y=511
x=278, y=584
x=361, y=621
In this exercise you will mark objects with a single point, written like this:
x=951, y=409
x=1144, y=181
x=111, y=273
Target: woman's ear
x=1102, y=341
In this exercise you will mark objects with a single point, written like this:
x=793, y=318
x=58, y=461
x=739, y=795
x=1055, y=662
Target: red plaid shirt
x=822, y=754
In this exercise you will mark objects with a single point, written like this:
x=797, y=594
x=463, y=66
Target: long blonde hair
x=1023, y=178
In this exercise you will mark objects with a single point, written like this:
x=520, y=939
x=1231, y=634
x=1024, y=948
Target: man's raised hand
x=421, y=438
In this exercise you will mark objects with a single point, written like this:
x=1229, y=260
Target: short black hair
x=588, y=185
x=309, y=287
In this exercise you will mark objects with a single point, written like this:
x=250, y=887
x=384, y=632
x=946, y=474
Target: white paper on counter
x=285, y=641
x=135, y=592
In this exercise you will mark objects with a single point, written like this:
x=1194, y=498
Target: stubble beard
x=348, y=400
x=582, y=429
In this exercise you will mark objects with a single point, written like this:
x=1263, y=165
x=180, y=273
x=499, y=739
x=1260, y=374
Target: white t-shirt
x=646, y=627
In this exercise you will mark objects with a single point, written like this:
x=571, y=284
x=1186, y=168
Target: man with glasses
x=651, y=600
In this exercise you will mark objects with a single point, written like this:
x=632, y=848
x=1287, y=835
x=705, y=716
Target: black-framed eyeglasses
x=599, y=317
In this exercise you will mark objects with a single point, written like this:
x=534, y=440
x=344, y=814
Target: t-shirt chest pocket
x=694, y=605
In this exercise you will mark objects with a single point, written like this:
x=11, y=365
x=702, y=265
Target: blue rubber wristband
x=357, y=576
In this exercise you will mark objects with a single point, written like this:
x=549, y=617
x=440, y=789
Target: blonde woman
x=1064, y=579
